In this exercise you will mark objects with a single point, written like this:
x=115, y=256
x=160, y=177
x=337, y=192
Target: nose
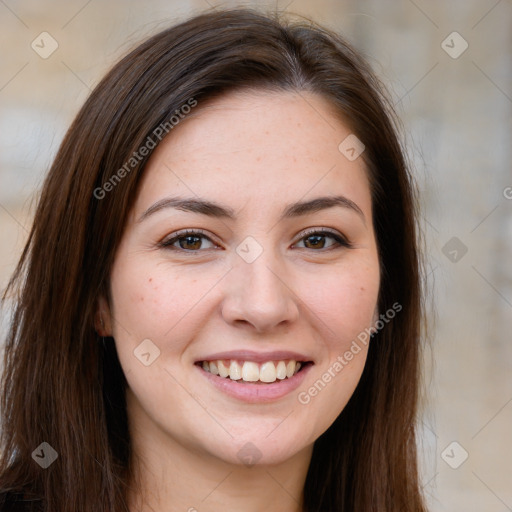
x=260, y=295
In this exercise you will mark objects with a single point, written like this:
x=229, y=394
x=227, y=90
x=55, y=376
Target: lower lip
x=254, y=392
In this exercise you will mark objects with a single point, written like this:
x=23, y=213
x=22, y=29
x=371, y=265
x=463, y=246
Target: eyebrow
x=212, y=209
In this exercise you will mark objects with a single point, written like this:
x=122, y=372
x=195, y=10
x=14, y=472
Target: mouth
x=255, y=377
x=253, y=372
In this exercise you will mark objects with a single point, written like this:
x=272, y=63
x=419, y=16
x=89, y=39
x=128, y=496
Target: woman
x=218, y=305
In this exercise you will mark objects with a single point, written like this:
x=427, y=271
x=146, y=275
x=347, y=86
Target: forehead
x=256, y=146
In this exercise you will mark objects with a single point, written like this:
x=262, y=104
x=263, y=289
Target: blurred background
x=448, y=67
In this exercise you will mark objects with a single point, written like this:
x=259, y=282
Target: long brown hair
x=63, y=384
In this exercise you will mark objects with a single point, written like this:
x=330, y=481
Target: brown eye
x=191, y=241
x=317, y=240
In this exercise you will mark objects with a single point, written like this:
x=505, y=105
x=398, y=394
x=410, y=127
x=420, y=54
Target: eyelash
x=340, y=240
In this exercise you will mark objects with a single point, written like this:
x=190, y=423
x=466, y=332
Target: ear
x=103, y=317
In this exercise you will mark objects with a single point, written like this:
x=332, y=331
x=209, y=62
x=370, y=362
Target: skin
x=255, y=152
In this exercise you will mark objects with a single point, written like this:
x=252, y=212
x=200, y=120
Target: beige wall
x=457, y=116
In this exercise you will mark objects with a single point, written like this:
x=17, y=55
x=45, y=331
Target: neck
x=171, y=477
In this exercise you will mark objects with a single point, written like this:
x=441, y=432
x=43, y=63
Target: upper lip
x=257, y=357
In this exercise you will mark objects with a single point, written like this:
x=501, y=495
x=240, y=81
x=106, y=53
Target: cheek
x=345, y=301
x=152, y=299
x=146, y=300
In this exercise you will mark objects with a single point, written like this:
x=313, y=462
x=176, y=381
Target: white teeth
x=268, y=372
x=281, y=370
x=250, y=372
x=223, y=369
x=235, y=371
x=213, y=368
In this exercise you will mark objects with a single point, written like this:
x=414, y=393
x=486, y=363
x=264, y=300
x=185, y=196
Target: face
x=275, y=291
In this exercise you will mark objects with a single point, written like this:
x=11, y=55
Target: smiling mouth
x=252, y=372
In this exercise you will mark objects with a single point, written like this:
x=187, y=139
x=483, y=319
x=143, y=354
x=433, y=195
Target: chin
x=259, y=450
